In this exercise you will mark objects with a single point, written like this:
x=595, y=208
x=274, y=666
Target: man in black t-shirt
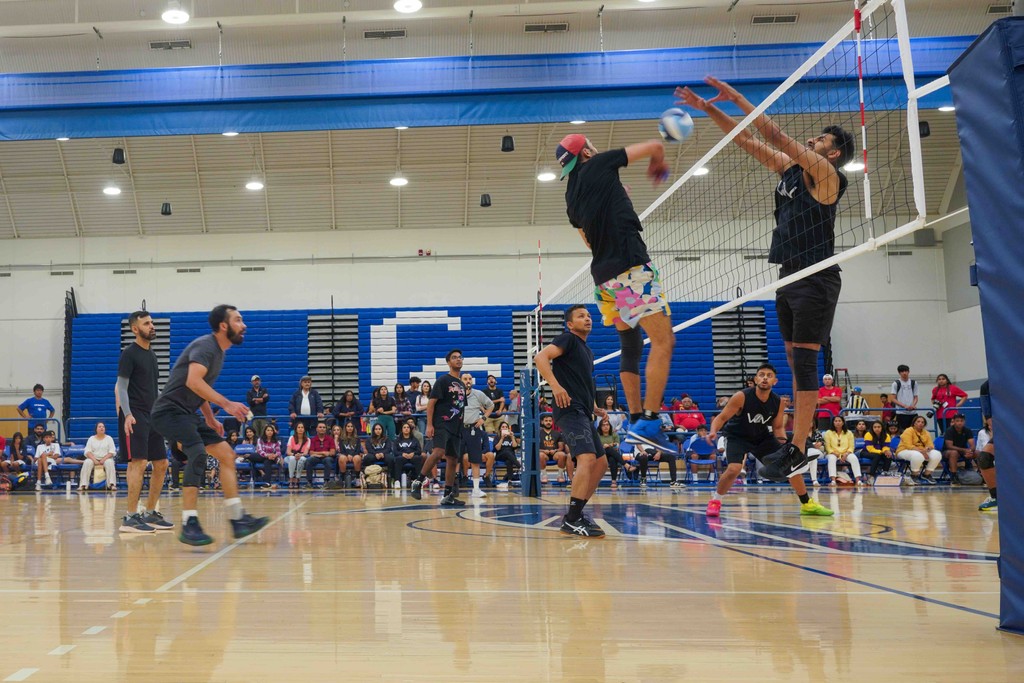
x=497, y=397
x=627, y=284
x=257, y=398
x=567, y=365
x=189, y=389
x=806, y=202
x=444, y=426
x=958, y=442
x=136, y=389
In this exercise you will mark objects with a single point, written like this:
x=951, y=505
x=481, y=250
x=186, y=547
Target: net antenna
x=709, y=234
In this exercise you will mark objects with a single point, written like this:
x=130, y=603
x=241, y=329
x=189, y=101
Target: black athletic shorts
x=579, y=434
x=448, y=441
x=190, y=431
x=145, y=442
x=807, y=307
x=474, y=443
x=736, y=449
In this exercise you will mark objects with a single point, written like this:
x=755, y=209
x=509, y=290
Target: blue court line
x=868, y=584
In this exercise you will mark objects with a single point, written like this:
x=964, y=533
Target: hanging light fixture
x=408, y=6
x=174, y=14
x=508, y=143
x=485, y=200
x=111, y=190
x=118, y=157
x=165, y=209
x=546, y=175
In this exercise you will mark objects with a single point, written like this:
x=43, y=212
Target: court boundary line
x=186, y=575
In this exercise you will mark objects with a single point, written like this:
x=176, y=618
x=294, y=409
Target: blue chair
x=700, y=452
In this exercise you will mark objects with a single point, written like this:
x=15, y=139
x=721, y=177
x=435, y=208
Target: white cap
x=827, y=376
x=254, y=378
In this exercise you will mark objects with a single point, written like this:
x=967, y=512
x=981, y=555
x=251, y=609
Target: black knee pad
x=805, y=369
x=986, y=460
x=195, y=468
x=632, y=343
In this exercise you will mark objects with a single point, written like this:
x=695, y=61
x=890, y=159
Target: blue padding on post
x=988, y=90
x=419, y=92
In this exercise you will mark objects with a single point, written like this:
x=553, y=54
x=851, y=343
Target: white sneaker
x=398, y=484
x=503, y=486
x=478, y=493
x=39, y=485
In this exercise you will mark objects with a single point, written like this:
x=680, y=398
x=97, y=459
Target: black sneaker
x=192, y=533
x=417, y=489
x=248, y=525
x=452, y=502
x=593, y=526
x=135, y=524
x=581, y=528
x=782, y=464
x=954, y=479
x=928, y=479
x=157, y=521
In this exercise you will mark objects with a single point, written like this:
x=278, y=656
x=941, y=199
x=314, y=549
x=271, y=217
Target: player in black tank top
x=753, y=422
x=806, y=200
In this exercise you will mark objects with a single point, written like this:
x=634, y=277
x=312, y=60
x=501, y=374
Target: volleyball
x=675, y=125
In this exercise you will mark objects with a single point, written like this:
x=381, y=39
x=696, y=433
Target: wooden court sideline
x=898, y=586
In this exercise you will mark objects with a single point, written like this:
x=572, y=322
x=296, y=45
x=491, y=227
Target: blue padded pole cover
x=988, y=92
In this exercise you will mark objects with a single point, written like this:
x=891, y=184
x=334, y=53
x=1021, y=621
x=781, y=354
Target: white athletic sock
x=476, y=482
x=142, y=508
x=185, y=514
x=234, y=506
x=715, y=495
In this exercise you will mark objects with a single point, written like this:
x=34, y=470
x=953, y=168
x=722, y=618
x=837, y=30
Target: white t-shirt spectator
x=51, y=451
x=100, y=448
x=905, y=393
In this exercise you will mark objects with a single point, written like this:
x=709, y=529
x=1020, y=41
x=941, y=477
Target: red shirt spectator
x=947, y=397
x=688, y=417
x=830, y=398
x=889, y=409
x=322, y=443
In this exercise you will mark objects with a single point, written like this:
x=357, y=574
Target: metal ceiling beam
x=199, y=182
x=131, y=180
x=7, y=201
x=330, y=168
x=71, y=195
x=266, y=182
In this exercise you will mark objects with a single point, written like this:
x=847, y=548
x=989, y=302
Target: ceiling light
x=703, y=170
x=118, y=157
x=399, y=181
x=577, y=122
x=546, y=176
x=854, y=166
x=508, y=143
x=229, y=133
x=112, y=190
x=62, y=139
x=401, y=127
x=165, y=209
x=485, y=200
x=408, y=6
x=645, y=0
x=174, y=14
x=947, y=108
x=254, y=185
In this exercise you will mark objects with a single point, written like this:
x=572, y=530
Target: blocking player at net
x=753, y=421
x=806, y=202
x=628, y=286
x=567, y=365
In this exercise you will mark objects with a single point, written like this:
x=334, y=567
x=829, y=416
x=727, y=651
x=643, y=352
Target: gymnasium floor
x=896, y=587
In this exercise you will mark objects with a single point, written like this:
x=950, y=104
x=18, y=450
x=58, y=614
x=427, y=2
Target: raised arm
x=657, y=169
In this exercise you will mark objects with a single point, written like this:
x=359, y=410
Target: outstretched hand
x=726, y=93
x=658, y=171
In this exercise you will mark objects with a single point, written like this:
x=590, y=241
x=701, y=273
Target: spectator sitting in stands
x=382, y=406
x=408, y=452
x=614, y=415
x=644, y=457
x=257, y=398
x=99, y=450
x=379, y=449
x=839, y=449
x=958, y=443
x=18, y=458
x=411, y=421
x=35, y=439
x=414, y=387
x=47, y=455
x=322, y=453
x=689, y=417
x=268, y=454
x=551, y=445
x=298, y=449
x=816, y=450
x=306, y=406
x=610, y=443
x=689, y=450
x=915, y=447
x=403, y=406
x=505, y=445
x=543, y=405
x=497, y=396
x=512, y=409
x=36, y=407
x=830, y=401
x=349, y=411
x=350, y=450
x=422, y=399
x=856, y=405
x=860, y=430
x=947, y=399
x=905, y=395
x=876, y=447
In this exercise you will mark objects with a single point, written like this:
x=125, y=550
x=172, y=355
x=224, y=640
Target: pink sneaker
x=714, y=507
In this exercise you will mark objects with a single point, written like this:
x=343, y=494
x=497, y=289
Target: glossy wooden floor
x=896, y=587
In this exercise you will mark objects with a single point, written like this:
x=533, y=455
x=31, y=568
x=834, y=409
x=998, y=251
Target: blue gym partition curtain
x=988, y=92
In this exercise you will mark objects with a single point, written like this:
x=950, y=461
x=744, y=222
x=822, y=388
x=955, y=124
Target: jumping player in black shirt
x=627, y=284
x=136, y=391
x=806, y=200
x=444, y=426
x=567, y=364
x=753, y=422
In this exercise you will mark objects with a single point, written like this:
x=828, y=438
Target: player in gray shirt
x=475, y=443
x=190, y=388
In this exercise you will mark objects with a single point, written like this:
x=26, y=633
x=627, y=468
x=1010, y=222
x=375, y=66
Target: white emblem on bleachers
x=384, y=348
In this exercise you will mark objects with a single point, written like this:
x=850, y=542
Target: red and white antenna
x=857, y=26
